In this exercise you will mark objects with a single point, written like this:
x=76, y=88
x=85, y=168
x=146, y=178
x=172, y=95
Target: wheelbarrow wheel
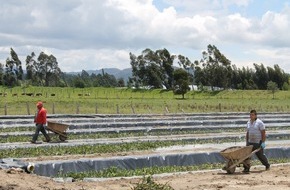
x=62, y=137
x=230, y=170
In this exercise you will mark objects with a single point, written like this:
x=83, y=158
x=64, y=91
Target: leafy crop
x=120, y=134
x=118, y=172
x=99, y=148
x=16, y=129
x=147, y=183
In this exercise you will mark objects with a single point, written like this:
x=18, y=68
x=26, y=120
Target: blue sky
x=95, y=34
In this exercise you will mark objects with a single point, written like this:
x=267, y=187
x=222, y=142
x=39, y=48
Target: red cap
x=39, y=104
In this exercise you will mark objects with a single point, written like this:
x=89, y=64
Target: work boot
x=224, y=168
x=32, y=142
x=246, y=170
x=46, y=140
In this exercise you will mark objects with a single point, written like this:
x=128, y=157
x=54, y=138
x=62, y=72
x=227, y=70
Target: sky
x=96, y=34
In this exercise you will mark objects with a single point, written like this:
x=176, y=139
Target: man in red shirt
x=40, y=121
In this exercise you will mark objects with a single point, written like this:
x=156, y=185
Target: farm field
x=120, y=124
x=21, y=101
x=109, y=136
x=277, y=178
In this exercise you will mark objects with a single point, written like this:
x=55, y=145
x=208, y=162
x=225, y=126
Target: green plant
x=147, y=183
x=120, y=134
x=118, y=172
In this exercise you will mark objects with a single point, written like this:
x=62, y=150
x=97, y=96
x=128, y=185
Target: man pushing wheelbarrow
x=256, y=136
x=255, y=144
x=40, y=122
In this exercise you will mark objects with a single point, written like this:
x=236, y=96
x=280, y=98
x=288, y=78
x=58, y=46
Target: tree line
x=150, y=69
x=43, y=70
x=214, y=70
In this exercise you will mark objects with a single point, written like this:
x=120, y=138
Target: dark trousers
x=260, y=155
x=40, y=128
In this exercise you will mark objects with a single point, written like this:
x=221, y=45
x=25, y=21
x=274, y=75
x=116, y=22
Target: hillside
x=118, y=73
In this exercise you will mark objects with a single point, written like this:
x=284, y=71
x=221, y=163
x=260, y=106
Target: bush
x=147, y=183
x=285, y=86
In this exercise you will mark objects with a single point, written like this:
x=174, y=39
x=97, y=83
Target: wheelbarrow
x=58, y=128
x=235, y=156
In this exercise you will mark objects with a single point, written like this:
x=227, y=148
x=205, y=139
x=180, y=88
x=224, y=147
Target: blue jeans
x=40, y=128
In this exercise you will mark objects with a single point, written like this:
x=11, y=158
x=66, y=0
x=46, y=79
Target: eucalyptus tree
x=138, y=70
x=43, y=71
x=247, y=75
x=277, y=75
x=152, y=68
x=86, y=78
x=121, y=82
x=199, y=75
x=165, y=60
x=237, y=82
x=109, y=80
x=32, y=69
x=186, y=64
x=261, y=76
x=214, y=69
x=13, y=72
x=1, y=73
x=49, y=72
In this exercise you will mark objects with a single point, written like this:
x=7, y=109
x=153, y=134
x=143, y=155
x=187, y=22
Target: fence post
x=166, y=109
x=133, y=110
x=27, y=108
x=5, y=109
x=118, y=109
x=78, y=109
x=53, y=111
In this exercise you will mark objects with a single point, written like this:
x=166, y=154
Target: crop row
x=99, y=148
x=108, y=148
x=122, y=134
x=26, y=138
x=117, y=172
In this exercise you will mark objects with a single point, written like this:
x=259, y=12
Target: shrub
x=147, y=183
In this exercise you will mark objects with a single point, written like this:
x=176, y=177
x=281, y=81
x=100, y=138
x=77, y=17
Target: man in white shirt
x=256, y=136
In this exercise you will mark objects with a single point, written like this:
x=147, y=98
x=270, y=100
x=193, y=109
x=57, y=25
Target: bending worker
x=40, y=121
x=256, y=136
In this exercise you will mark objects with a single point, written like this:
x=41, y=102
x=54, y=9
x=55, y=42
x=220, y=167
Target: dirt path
x=277, y=178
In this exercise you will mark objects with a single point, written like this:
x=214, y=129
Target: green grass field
x=128, y=101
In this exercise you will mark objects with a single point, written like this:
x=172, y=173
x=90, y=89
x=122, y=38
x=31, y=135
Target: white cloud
x=240, y=3
x=90, y=34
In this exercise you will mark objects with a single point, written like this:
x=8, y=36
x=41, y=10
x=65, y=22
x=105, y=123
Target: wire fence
x=107, y=107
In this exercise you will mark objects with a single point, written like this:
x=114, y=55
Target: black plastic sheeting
x=168, y=119
x=11, y=162
x=8, y=163
x=51, y=169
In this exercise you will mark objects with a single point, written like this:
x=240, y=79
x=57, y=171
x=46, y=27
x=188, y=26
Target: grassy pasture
x=128, y=101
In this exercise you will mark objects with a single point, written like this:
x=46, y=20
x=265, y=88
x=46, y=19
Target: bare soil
x=276, y=178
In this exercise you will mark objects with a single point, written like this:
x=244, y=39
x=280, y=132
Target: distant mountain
x=118, y=73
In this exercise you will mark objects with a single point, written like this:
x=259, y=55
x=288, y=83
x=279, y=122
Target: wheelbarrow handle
x=257, y=150
x=244, y=158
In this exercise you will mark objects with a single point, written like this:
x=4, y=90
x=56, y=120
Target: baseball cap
x=39, y=104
